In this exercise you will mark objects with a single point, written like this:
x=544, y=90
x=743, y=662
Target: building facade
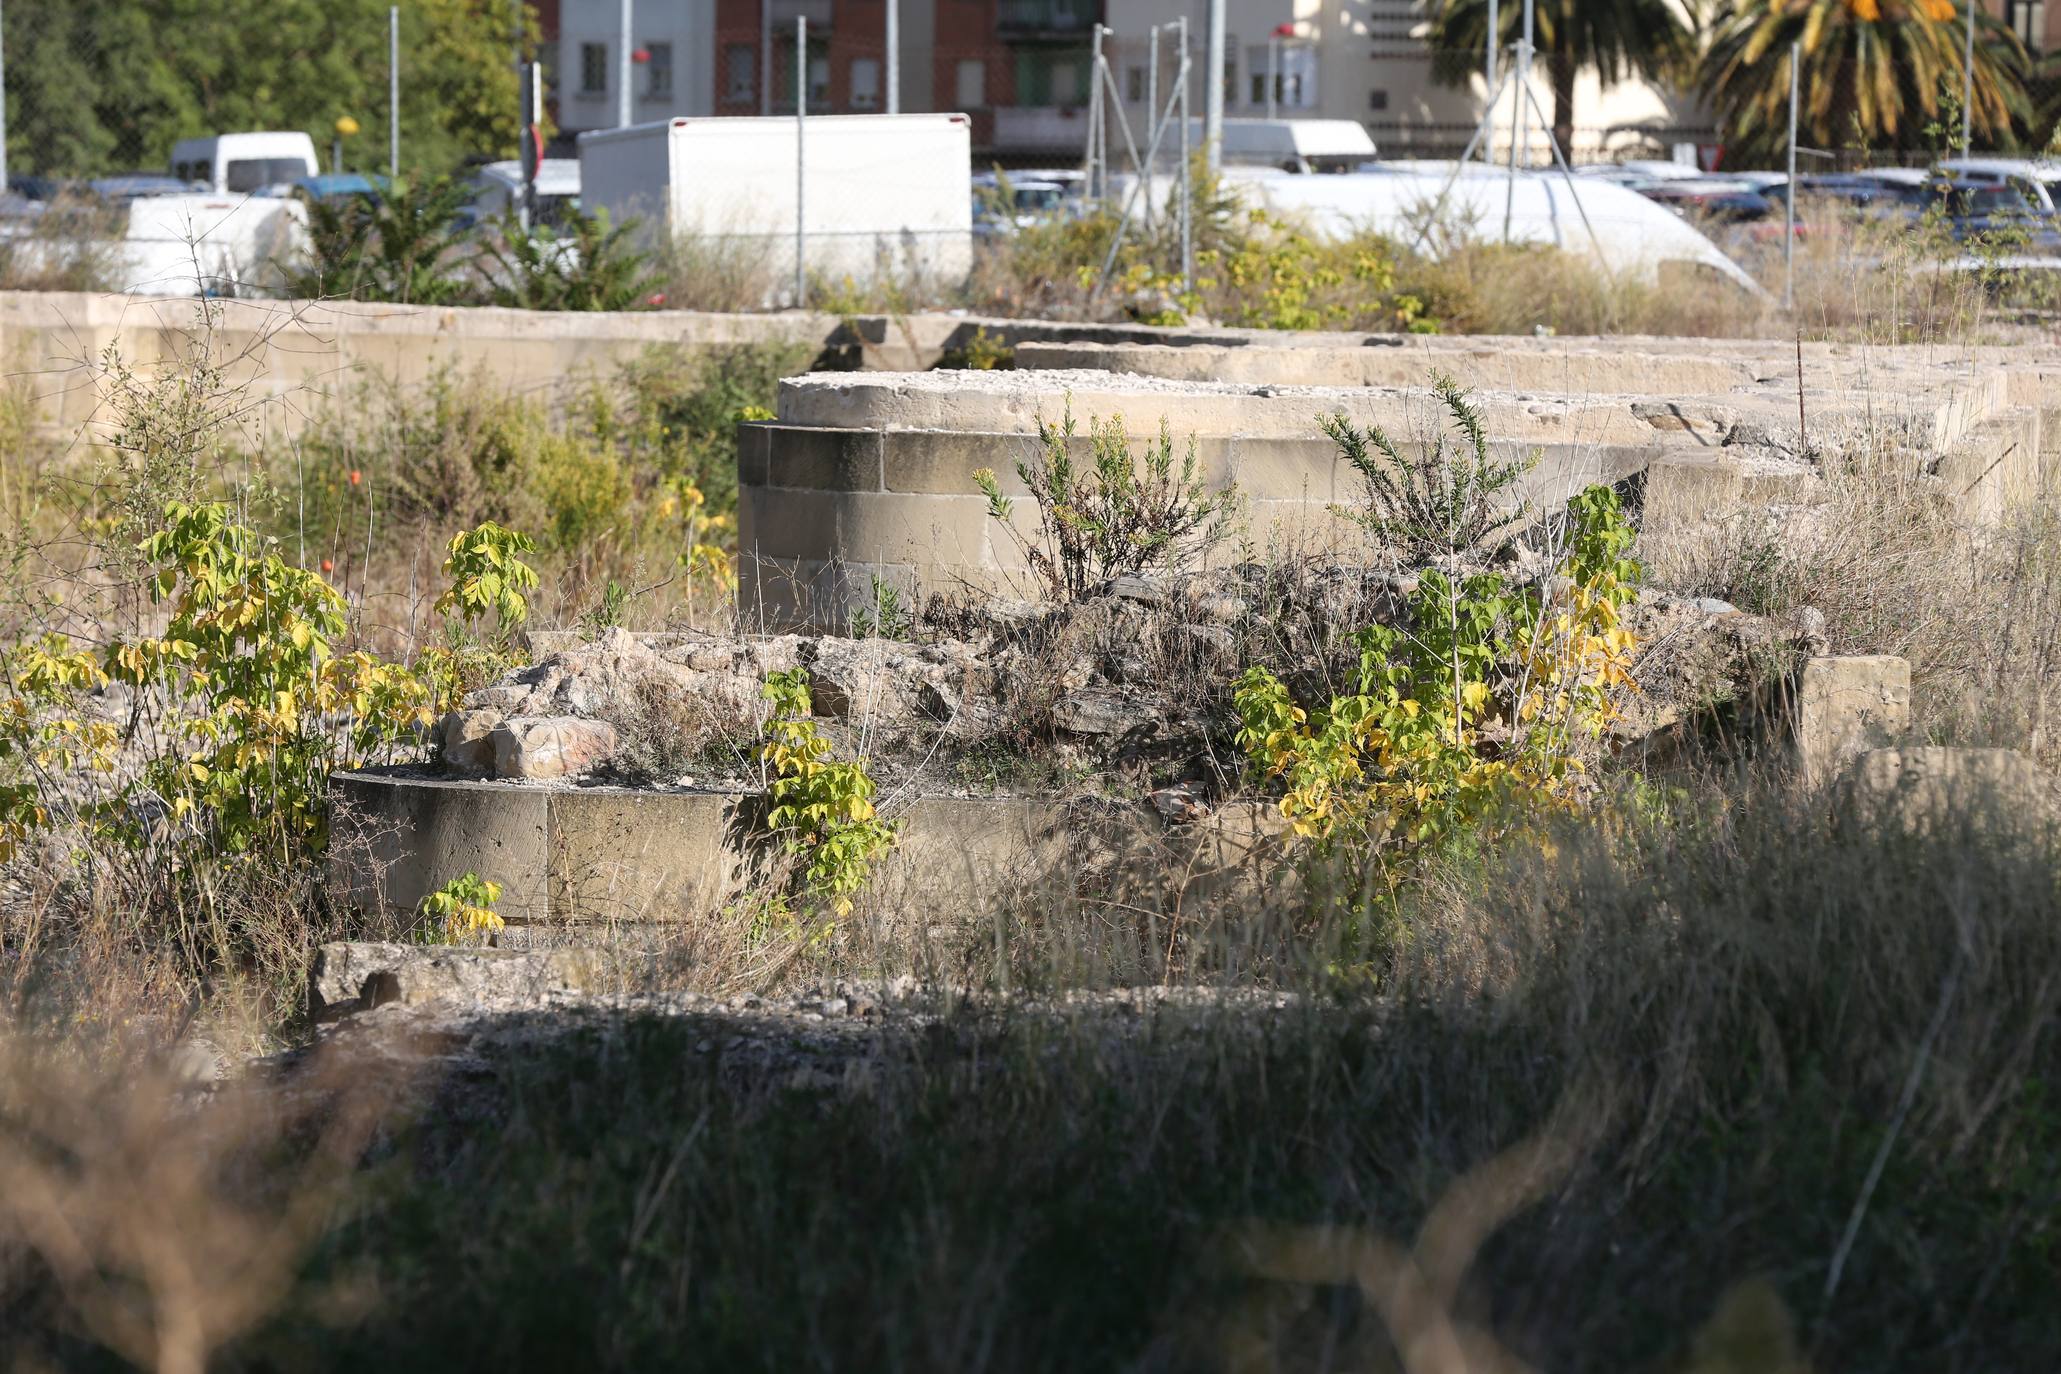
x=1019, y=68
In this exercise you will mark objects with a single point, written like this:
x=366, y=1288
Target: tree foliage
x=1615, y=38
x=101, y=85
x=1873, y=71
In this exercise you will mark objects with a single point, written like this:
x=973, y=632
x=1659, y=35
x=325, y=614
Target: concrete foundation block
x=823, y=459
x=1934, y=787
x=1841, y=708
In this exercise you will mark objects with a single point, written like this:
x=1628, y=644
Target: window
x=593, y=68
x=658, y=71
x=865, y=83
x=971, y=84
x=819, y=81
x=1134, y=84
x=1066, y=84
x=1377, y=100
x=2028, y=19
x=740, y=74
x=255, y=174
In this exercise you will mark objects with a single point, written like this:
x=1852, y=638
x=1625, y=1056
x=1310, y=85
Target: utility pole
x=1213, y=89
x=894, y=56
x=393, y=93
x=622, y=65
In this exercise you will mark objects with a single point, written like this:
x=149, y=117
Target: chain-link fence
x=110, y=104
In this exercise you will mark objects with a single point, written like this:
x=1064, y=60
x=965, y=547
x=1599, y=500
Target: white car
x=2039, y=180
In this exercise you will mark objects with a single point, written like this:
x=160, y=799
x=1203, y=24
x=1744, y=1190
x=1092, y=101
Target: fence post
x=1789, y=210
x=1968, y=85
x=3, y=104
x=1187, y=175
x=765, y=57
x=393, y=92
x=1213, y=89
x=801, y=119
x=1495, y=36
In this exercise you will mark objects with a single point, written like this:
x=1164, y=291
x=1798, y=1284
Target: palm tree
x=1876, y=72
x=1618, y=38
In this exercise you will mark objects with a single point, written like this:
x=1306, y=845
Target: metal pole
x=622, y=65
x=801, y=119
x=393, y=92
x=1213, y=90
x=1524, y=80
x=1968, y=85
x=3, y=108
x=1789, y=208
x=1273, y=70
x=1495, y=38
x=1151, y=111
x=1095, y=116
x=765, y=57
x=894, y=56
x=1187, y=175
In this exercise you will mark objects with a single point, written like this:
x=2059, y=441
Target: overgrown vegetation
x=1109, y=511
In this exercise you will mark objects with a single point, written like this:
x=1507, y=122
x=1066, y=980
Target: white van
x=1292, y=145
x=244, y=163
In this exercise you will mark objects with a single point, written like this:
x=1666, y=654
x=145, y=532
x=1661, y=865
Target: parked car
x=2039, y=178
x=498, y=185
x=334, y=186
x=246, y=162
x=1723, y=201
x=44, y=189
x=124, y=187
x=1004, y=202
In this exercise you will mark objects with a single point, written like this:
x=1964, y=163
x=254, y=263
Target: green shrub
x=1116, y=513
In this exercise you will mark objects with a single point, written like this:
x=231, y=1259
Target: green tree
x=1875, y=70
x=1615, y=38
x=101, y=85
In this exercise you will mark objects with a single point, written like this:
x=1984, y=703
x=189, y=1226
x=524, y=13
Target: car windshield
x=256, y=173
x=1037, y=197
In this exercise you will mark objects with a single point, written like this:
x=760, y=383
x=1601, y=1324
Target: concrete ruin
x=867, y=480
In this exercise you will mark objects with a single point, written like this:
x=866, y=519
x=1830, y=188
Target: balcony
x=1046, y=130
x=1027, y=18
x=782, y=14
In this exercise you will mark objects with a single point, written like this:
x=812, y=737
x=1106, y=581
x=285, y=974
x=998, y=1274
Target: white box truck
x=880, y=195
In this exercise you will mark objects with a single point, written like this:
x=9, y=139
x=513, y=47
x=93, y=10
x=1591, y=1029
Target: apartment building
x=1018, y=67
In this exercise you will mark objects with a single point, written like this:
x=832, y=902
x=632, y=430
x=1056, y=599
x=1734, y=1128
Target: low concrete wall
x=585, y=856
x=825, y=512
x=56, y=340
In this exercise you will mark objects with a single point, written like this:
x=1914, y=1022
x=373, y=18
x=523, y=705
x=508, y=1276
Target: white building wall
x=686, y=26
x=1370, y=64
